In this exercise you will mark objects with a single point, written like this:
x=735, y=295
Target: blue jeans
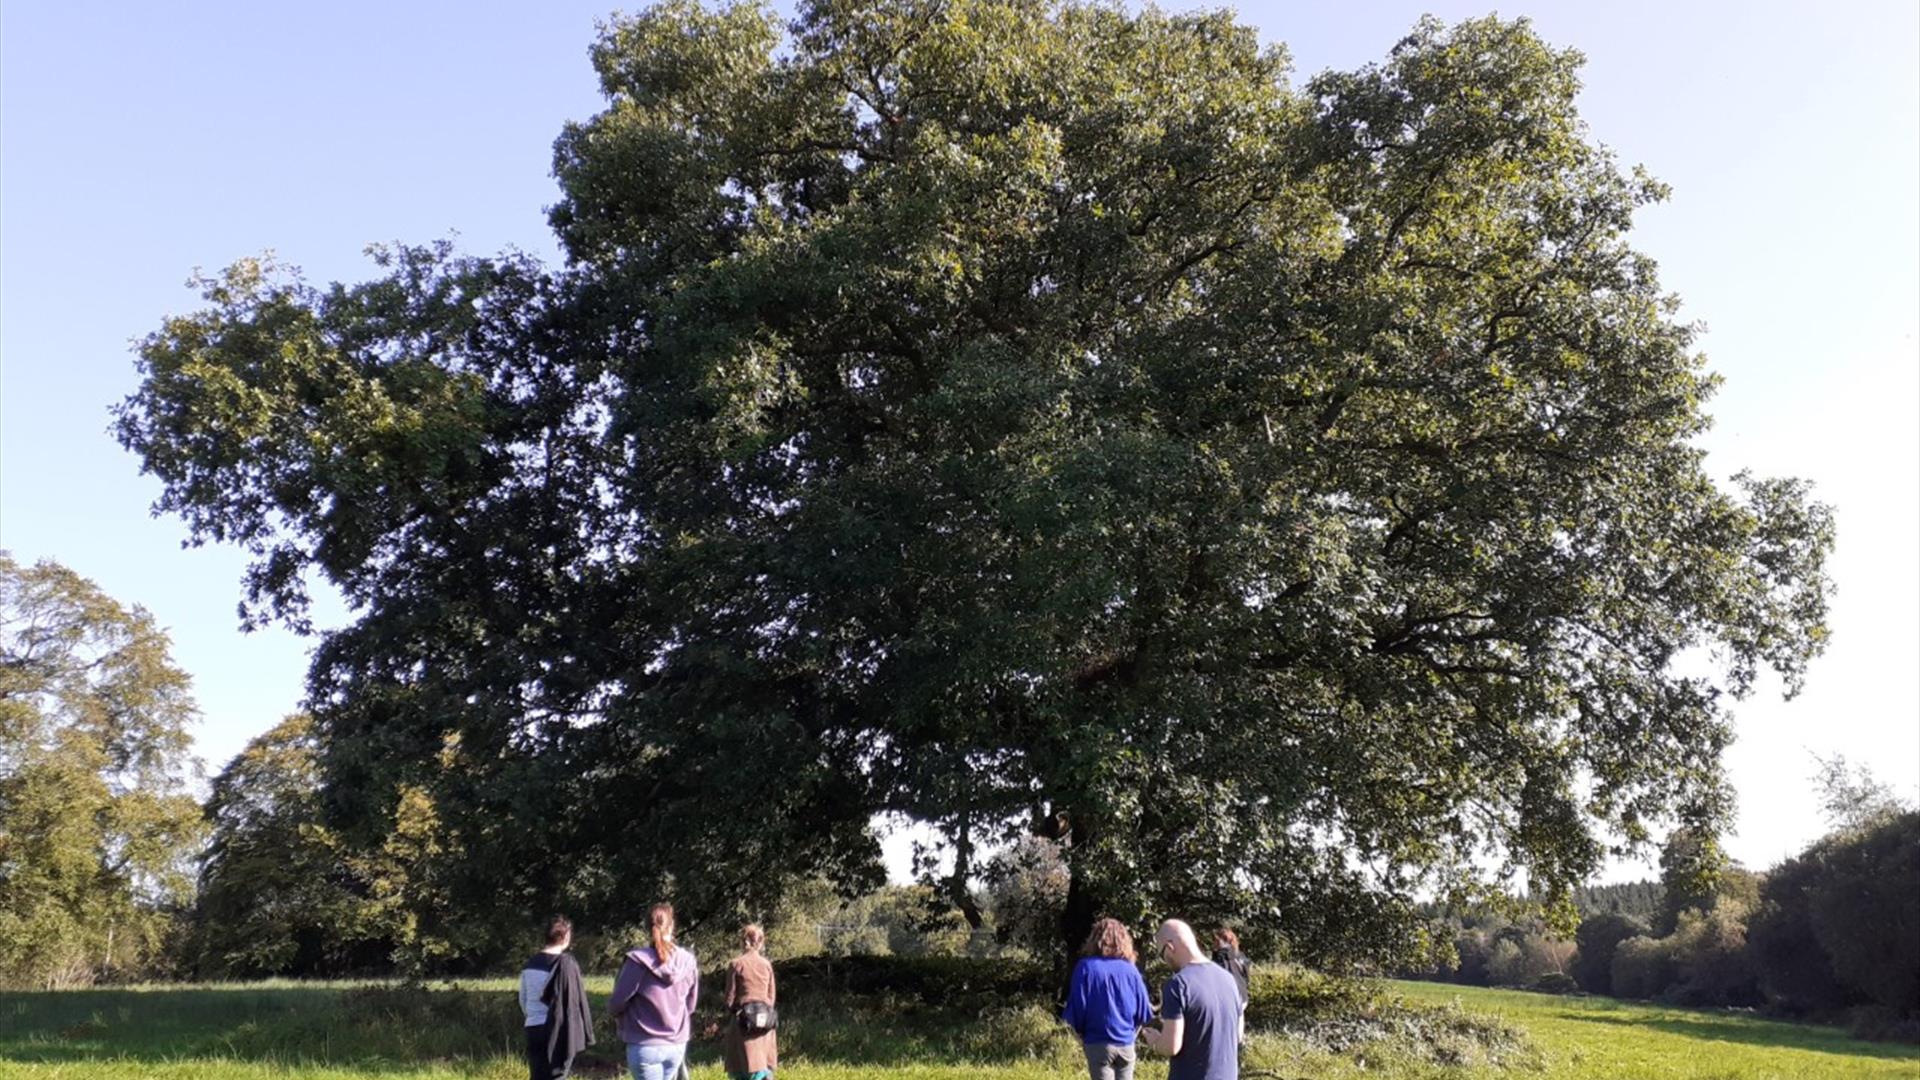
x=655, y=1062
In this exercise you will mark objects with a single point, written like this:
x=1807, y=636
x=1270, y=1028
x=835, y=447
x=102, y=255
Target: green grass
x=345, y=1031
x=1584, y=1037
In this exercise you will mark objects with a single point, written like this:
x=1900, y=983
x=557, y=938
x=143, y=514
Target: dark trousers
x=539, y=1067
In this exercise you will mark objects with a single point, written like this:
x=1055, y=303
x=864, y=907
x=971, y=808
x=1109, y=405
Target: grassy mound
x=1309, y=1017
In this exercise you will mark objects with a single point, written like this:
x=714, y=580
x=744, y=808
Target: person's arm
x=1166, y=1039
x=772, y=998
x=1171, y=1034
x=733, y=984
x=624, y=987
x=1074, y=1013
x=693, y=985
x=1142, y=1002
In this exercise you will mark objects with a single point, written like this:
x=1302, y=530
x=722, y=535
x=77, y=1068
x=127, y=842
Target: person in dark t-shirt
x=1199, y=1011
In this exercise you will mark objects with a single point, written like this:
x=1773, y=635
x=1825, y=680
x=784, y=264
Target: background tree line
x=111, y=869
x=1831, y=933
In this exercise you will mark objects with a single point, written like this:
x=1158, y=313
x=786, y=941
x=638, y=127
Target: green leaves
x=998, y=413
x=97, y=828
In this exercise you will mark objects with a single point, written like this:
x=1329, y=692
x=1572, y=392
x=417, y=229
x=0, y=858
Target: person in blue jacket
x=1107, y=1001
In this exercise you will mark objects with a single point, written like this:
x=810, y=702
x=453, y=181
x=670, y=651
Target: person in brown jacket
x=749, y=1049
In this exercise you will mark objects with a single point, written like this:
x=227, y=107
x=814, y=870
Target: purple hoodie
x=654, y=1002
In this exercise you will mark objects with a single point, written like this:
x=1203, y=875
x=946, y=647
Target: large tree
x=1019, y=416
x=97, y=827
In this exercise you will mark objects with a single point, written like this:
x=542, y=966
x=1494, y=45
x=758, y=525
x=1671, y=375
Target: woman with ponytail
x=653, y=1001
x=748, y=1049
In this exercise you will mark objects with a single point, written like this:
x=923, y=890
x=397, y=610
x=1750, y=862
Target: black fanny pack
x=756, y=1017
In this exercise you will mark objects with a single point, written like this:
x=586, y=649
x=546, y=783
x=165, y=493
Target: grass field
x=338, y=1031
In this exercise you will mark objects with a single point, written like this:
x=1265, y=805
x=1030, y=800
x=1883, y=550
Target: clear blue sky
x=140, y=141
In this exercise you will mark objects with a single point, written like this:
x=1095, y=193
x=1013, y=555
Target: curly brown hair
x=1109, y=938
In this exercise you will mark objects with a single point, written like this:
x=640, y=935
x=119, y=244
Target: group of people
x=1201, y=1021
x=652, y=1005
x=1203, y=1006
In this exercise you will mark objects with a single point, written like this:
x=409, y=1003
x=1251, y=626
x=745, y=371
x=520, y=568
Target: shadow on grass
x=1753, y=1031
x=412, y=1028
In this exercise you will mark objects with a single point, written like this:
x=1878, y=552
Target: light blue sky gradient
x=140, y=141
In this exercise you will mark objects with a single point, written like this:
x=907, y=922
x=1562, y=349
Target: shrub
x=1286, y=996
x=1864, y=913
x=1506, y=964
x=1595, y=943
x=1027, y=890
x=1711, y=966
x=1837, y=925
x=1473, y=952
x=1643, y=968
x=1518, y=959
x=934, y=979
x=1794, y=973
x=1348, y=1016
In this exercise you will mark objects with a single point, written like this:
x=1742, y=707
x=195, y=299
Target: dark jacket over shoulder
x=569, y=1021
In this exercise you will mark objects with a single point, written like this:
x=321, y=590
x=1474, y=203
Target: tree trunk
x=959, y=885
x=1076, y=917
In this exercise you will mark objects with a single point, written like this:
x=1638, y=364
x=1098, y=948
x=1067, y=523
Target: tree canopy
x=1023, y=417
x=97, y=827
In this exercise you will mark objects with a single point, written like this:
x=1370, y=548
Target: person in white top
x=553, y=1001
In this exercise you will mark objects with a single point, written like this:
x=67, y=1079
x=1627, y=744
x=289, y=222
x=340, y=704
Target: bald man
x=1199, y=1011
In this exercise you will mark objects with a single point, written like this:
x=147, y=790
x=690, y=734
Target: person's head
x=1175, y=943
x=752, y=937
x=660, y=926
x=559, y=932
x=1225, y=938
x=1109, y=938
